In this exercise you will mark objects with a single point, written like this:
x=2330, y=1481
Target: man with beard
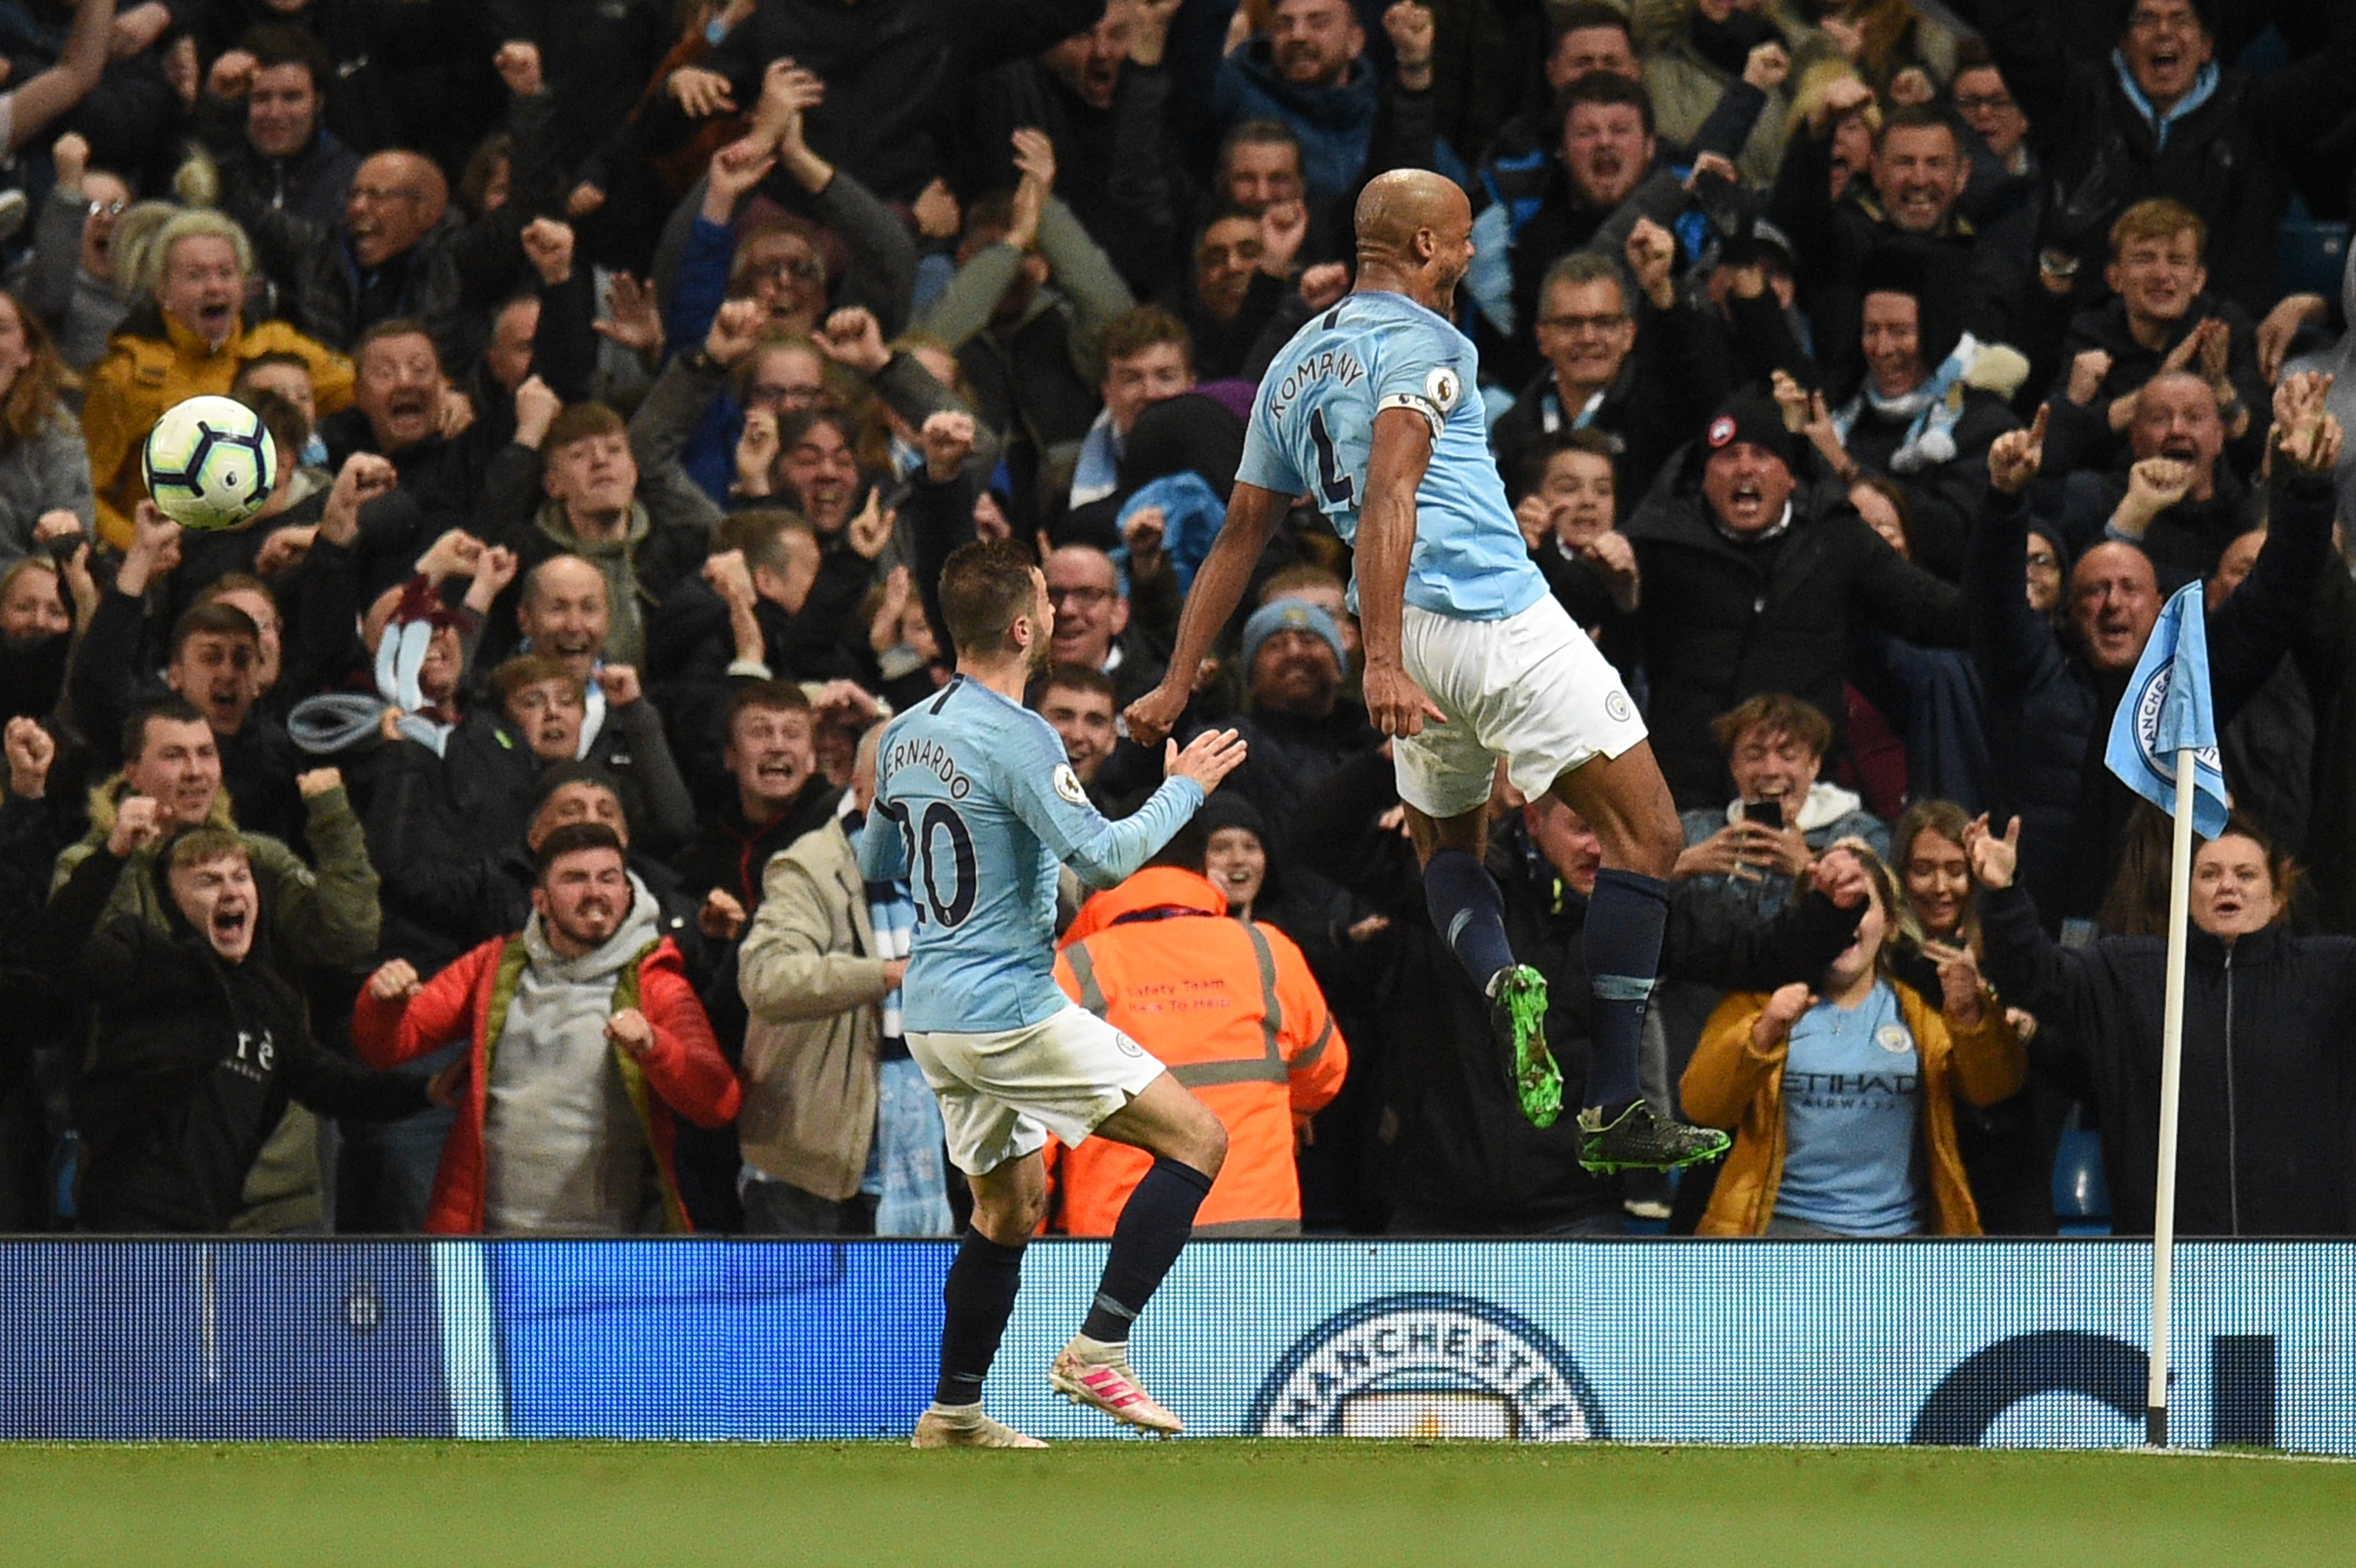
x=1371, y=411
x=1300, y=727
x=974, y=808
x=1308, y=72
x=588, y=1043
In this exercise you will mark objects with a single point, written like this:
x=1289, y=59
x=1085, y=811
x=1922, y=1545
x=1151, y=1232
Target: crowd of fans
x=467, y=843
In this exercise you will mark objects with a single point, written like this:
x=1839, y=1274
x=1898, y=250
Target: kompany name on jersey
x=1338, y=365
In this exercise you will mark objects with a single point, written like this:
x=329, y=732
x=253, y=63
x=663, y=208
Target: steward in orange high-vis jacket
x=1231, y=1010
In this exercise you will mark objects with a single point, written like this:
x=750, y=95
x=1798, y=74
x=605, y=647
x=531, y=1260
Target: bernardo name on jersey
x=976, y=806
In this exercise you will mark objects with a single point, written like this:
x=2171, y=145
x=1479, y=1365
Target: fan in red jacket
x=587, y=1040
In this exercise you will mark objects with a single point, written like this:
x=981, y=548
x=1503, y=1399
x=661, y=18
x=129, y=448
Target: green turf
x=1200, y=1502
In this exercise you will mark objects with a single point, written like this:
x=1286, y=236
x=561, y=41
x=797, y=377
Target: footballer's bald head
x=1398, y=205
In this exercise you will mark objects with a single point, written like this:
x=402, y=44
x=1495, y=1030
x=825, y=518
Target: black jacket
x=1722, y=621
x=1288, y=758
x=2049, y=711
x=1836, y=239
x=1943, y=496
x=689, y=648
x=193, y=1063
x=2224, y=160
x=1116, y=167
x=2269, y=1087
x=456, y=271
x=732, y=856
x=2105, y=327
x=890, y=66
x=258, y=764
x=439, y=827
x=2326, y=653
x=1452, y=1150
x=1671, y=379
x=311, y=184
x=732, y=853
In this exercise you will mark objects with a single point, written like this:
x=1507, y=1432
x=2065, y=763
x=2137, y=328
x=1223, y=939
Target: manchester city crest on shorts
x=1067, y=785
x=1616, y=705
x=1427, y=1365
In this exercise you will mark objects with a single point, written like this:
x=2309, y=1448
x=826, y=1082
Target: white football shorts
x=1531, y=689
x=1002, y=1093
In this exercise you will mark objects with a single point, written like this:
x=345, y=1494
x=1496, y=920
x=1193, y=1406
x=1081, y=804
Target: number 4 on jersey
x=1332, y=485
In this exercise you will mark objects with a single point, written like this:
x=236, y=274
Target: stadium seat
x=2309, y=253
x=2081, y=1197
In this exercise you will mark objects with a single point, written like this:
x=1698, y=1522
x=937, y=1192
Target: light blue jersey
x=1313, y=429
x=1852, y=1109
x=975, y=807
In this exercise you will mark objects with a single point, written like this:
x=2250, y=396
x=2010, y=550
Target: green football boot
x=1517, y=1006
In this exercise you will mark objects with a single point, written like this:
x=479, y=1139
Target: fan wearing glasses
x=68, y=282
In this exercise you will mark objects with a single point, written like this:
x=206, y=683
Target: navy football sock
x=1154, y=1225
x=979, y=1298
x=1468, y=913
x=1625, y=916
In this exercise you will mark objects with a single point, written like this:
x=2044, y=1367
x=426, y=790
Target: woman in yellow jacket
x=1841, y=1098
x=188, y=337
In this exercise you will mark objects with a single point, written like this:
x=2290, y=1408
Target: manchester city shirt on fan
x=1852, y=1095
x=975, y=807
x=1313, y=429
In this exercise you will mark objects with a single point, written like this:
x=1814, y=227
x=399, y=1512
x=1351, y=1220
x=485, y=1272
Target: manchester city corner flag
x=2166, y=709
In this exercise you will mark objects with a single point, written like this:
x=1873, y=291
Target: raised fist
x=518, y=63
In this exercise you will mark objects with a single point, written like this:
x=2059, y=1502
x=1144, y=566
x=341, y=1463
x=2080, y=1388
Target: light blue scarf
x=2204, y=87
x=1935, y=406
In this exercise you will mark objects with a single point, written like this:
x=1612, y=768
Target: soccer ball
x=209, y=462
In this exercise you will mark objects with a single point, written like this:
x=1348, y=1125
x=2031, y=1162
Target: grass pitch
x=1361, y=1504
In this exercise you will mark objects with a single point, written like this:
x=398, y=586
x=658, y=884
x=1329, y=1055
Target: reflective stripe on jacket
x=1231, y=1008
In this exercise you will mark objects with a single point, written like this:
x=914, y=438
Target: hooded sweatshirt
x=616, y=562
x=194, y=1062
x=566, y=1154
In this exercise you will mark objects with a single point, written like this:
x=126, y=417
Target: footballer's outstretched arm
x=1253, y=516
x=1386, y=545
x=1044, y=793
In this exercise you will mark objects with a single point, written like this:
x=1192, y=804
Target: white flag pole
x=2163, y=1226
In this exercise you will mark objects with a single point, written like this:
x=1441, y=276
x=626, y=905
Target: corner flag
x=2164, y=747
x=2166, y=709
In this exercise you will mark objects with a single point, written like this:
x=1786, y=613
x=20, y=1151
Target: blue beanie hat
x=1292, y=615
